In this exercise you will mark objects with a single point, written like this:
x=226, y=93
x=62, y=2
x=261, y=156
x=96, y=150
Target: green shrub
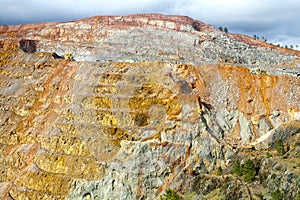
x=277, y=195
x=219, y=171
x=269, y=155
x=279, y=147
x=237, y=168
x=248, y=170
x=248, y=166
x=298, y=195
x=249, y=176
x=170, y=195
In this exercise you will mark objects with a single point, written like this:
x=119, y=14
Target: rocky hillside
x=146, y=107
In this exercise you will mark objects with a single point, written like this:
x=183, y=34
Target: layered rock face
x=148, y=102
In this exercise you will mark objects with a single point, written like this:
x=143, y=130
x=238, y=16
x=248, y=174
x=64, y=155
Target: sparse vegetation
x=279, y=147
x=298, y=195
x=263, y=38
x=219, y=171
x=225, y=29
x=288, y=46
x=277, y=195
x=247, y=170
x=237, y=168
x=269, y=155
x=170, y=195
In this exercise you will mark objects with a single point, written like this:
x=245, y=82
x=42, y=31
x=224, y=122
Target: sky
x=276, y=20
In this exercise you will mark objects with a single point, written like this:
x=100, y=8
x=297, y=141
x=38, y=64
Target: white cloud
x=273, y=19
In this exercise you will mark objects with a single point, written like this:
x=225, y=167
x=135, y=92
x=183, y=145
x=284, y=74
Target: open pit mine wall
x=98, y=127
x=69, y=127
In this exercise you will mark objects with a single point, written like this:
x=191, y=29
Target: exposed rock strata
x=149, y=102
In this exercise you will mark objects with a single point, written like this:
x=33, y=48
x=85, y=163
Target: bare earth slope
x=148, y=102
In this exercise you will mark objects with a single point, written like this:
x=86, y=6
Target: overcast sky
x=276, y=20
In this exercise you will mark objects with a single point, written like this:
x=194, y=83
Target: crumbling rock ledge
x=147, y=102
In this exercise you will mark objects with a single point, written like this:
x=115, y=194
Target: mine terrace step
x=54, y=184
x=106, y=128
x=95, y=131
x=107, y=117
x=80, y=147
x=74, y=166
x=68, y=156
x=114, y=78
x=25, y=193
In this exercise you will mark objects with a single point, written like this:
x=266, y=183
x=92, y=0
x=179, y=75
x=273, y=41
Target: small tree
x=249, y=170
x=220, y=28
x=279, y=147
x=254, y=37
x=170, y=195
x=237, y=168
x=225, y=30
